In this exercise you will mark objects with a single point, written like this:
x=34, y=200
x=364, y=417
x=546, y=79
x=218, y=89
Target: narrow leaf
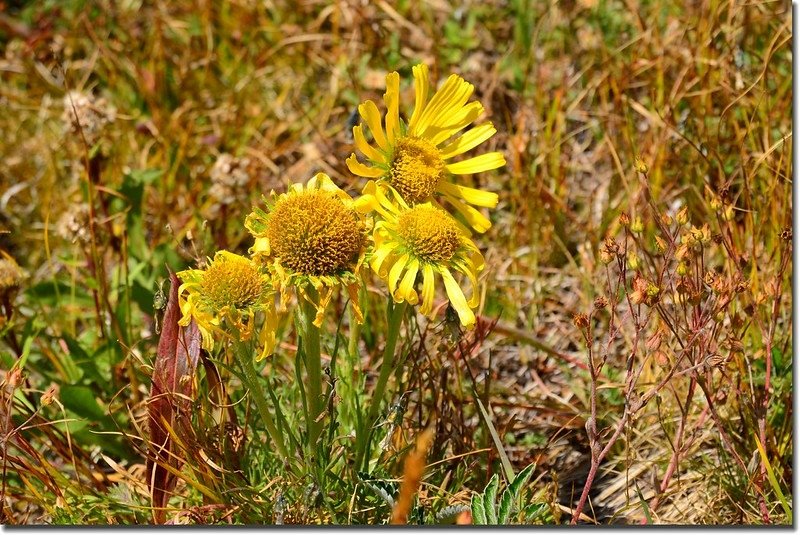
x=773, y=481
x=169, y=402
x=507, y=468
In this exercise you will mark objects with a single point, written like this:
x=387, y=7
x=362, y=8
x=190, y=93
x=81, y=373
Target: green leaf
x=520, y=480
x=644, y=505
x=773, y=481
x=507, y=468
x=81, y=401
x=534, y=511
x=478, y=512
x=489, y=498
x=505, y=507
x=512, y=493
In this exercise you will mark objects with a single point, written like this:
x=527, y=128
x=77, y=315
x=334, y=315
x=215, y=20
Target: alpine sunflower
x=232, y=289
x=312, y=235
x=413, y=158
x=422, y=240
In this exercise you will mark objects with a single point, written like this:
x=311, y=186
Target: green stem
x=395, y=313
x=313, y=360
x=251, y=378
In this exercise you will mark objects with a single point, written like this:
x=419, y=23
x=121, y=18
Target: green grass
x=577, y=90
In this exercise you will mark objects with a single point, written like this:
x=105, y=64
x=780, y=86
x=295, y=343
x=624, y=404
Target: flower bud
x=682, y=217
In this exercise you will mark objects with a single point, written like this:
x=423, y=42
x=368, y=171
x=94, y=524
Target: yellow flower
x=232, y=288
x=312, y=235
x=423, y=240
x=413, y=158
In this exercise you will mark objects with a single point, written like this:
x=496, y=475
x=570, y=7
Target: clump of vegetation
x=544, y=280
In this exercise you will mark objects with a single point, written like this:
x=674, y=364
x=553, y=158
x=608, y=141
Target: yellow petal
x=421, y=87
x=440, y=100
x=261, y=245
x=366, y=149
x=394, y=273
x=476, y=219
x=369, y=112
x=427, y=289
x=383, y=206
x=358, y=168
x=477, y=197
x=365, y=203
x=454, y=123
x=478, y=164
x=378, y=258
x=392, y=100
x=352, y=290
x=468, y=268
x=406, y=290
x=457, y=299
x=447, y=112
x=468, y=141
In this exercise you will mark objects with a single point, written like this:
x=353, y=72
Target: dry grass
x=175, y=97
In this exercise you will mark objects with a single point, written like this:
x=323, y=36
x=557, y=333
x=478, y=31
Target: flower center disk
x=429, y=233
x=416, y=169
x=314, y=233
x=231, y=281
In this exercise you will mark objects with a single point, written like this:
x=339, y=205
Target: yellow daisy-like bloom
x=313, y=234
x=422, y=240
x=232, y=288
x=413, y=158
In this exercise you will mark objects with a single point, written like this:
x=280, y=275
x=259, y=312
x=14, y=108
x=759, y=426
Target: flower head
x=422, y=240
x=312, y=235
x=414, y=158
x=231, y=289
x=11, y=276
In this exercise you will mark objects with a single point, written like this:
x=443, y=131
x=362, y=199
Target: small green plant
x=487, y=510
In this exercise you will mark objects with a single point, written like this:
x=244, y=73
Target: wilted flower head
x=83, y=113
x=231, y=290
x=312, y=235
x=229, y=180
x=73, y=225
x=11, y=277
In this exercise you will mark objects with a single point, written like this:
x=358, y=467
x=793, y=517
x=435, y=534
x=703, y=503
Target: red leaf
x=170, y=399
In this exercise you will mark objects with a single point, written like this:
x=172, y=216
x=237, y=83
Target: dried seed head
x=624, y=219
x=644, y=291
x=230, y=177
x=661, y=245
x=600, y=302
x=49, y=395
x=654, y=341
x=683, y=216
x=580, y=320
x=661, y=358
x=11, y=277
